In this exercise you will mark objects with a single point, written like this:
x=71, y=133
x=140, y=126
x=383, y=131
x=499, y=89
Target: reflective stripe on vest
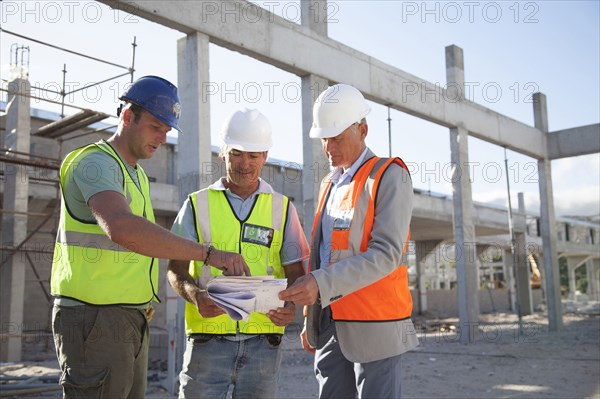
x=228, y=233
x=388, y=299
x=87, y=265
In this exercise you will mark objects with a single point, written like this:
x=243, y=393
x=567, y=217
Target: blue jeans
x=212, y=363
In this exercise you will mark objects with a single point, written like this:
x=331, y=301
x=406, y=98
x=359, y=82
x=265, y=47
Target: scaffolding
x=64, y=129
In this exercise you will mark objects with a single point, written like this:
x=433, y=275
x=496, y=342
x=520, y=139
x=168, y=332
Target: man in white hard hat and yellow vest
x=104, y=271
x=230, y=214
x=359, y=304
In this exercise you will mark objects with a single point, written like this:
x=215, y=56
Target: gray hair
x=355, y=125
x=224, y=150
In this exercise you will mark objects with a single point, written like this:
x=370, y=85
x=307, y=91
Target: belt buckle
x=202, y=339
x=273, y=339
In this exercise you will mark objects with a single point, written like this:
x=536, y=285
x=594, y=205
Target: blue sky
x=511, y=49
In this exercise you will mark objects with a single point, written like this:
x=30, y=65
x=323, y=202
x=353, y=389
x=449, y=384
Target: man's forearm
x=181, y=281
x=146, y=238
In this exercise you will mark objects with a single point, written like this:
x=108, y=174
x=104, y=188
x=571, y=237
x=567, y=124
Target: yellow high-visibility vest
x=259, y=239
x=87, y=265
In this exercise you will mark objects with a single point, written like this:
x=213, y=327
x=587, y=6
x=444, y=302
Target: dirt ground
x=500, y=363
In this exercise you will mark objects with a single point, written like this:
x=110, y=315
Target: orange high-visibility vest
x=388, y=299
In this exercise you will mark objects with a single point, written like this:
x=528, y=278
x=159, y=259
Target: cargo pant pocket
x=85, y=382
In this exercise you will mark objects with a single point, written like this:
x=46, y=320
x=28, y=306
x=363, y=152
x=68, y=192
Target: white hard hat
x=336, y=109
x=247, y=130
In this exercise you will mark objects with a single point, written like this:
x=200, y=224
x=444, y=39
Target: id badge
x=257, y=234
x=343, y=220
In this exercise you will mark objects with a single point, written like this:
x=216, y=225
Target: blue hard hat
x=157, y=96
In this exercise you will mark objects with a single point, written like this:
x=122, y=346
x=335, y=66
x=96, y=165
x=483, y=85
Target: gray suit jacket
x=363, y=342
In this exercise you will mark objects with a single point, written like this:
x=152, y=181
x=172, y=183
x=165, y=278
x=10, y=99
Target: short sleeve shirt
x=93, y=174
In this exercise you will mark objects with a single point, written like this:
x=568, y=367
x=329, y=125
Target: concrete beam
x=244, y=27
x=582, y=140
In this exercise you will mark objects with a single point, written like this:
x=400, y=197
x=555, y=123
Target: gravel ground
x=500, y=363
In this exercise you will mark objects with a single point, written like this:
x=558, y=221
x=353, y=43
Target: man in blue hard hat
x=104, y=271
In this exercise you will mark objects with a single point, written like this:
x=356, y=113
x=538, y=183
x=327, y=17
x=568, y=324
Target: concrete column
x=464, y=230
x=455, y=72
x=313, y=13
x=540, y=263
x=423, y=249
x=523, y=277
x=593, y=274
x=480, y=264
x=14, y=225
x=548, y=223
x=316, y=165
x=507, y=261
x=464, y=234
x=572, y=280
x=194, y=162
x=574, y=263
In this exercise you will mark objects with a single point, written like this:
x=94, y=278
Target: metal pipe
x=40, y=281
x=389, y=119
x=20, y=161
x=62, y=93
x=63, y=49
x=45, y=99
x=28, y=153
x=132, y=69
x=31, y=234
x=98, y=83
x=23, y=213
x=513, y=248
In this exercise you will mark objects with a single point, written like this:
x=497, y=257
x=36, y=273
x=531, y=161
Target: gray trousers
x=102, y=351
x=340, y=378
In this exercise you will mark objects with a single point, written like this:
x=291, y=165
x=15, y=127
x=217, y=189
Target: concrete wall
x=443, y=303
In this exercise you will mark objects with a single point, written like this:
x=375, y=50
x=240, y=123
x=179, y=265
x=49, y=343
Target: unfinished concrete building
x=33, y=143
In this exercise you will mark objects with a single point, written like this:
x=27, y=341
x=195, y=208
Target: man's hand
x=283, y=316
x=307, y=347
x=206, y=306
x=149, y=313
x=232, y=264
x=304, y=291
